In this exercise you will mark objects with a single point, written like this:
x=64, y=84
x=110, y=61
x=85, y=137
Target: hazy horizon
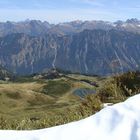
x=24, y=20
x=55, y=11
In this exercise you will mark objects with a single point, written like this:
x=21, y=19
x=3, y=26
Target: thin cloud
x=93, y=3
x=58, y=11
x=55, y=16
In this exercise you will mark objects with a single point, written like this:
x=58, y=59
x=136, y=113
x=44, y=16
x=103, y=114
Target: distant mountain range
x=91, y=47
x=37, y=27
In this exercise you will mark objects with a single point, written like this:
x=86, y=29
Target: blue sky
x=56, y=11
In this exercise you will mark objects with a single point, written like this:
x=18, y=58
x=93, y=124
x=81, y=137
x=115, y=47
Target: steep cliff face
x=101, y=52
x=25, y=54
x=93, y=52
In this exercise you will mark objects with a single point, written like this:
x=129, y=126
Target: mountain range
x=37, y=27
x=90, y=47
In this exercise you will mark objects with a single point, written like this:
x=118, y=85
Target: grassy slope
x=53, y=101
x=39, y=99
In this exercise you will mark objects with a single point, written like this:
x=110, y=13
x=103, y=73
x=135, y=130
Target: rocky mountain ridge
x=39, y=28
x=98, y=52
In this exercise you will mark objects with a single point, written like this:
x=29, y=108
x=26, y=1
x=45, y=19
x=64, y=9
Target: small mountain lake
x=82, y=92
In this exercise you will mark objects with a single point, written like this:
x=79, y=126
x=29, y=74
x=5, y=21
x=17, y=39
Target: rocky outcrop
x=5, y=74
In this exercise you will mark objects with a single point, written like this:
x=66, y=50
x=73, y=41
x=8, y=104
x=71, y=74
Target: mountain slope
x=93, y=52
x=109, y=124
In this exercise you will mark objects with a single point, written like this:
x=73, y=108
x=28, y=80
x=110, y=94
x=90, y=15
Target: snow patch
x=55, y=55
x=85, y=55
x=121, y=65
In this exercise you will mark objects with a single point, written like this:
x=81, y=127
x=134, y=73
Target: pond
x=82, y=92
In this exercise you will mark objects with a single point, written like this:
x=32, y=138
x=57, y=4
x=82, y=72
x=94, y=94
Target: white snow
x=117, y=122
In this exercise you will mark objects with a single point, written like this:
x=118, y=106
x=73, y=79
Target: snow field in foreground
x=117, y=122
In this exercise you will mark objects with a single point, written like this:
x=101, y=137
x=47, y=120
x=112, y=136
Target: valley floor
x=32, y=103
